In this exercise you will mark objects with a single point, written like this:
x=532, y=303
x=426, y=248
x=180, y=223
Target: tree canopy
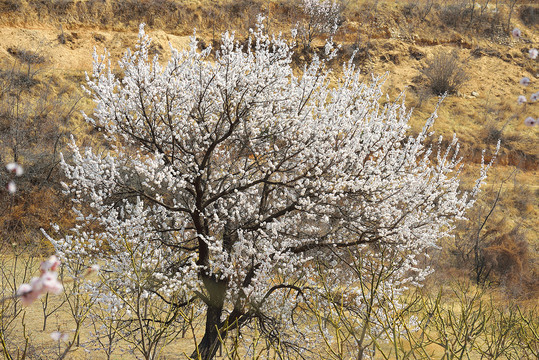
x=226, y=177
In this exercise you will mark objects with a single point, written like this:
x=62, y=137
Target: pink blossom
x=14, y=168
x=47, y=282
x=521, y=100
x=50, y=265
x=534, y=96
x=11, y=187
x=94, y=268
x=530, y=121
x=516, y=33
x=27, y=294
x=58, y=336
x=525, y=81
x=36, y=284
x=50, y=283
x=24, y=289
x=533, y=54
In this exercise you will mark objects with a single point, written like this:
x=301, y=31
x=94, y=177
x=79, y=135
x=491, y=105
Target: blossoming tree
x=224, y=179
x=321, y=17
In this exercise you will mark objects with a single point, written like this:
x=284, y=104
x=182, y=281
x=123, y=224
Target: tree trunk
x=216, y=290
x=208, y=346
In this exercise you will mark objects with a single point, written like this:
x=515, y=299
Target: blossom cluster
x=59, y=336
x=46, y=282
x=15, y=170
x=325, y=13
x=322, y=17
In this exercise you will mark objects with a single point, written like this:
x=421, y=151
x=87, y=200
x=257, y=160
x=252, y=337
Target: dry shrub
x=412, y=9
x=26, y=56
x=477, y=17
x=490, y=25
x=115, y=14
x=33, y=120
x=237, y=8
x=10, y=5
x=507, y=258
x=14, y=78
x=165, y=13
x=491, y=248
x=492, y=134
x=174, y=16
x=61, y=7
x=529, y=15
x=444, y=73
x=453, y=14
x=240, y=14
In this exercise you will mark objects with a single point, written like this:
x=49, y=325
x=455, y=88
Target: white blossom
x=525, y=81
x=11, y=187
x=530, y=121
x=321, y=17
x=59, y=336
x=14, y=168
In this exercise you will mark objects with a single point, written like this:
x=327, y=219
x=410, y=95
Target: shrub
x=453, y=14
x=529, y=15
x=10, y=5
x=444, y=73
x=30, y=59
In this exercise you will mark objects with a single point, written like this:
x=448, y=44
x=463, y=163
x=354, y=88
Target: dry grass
x=459, y=299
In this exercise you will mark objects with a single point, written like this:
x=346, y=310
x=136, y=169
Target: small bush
x=507, y=260
x=9, y=5
x=529, y=15
x=26, y=56
x=444, y=73
x=464, y=16
x=453, y=14
x=492, y=134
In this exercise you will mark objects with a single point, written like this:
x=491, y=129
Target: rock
x=475, y=94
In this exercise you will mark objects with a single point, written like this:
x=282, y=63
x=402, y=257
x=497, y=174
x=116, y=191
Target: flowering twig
x=46, y=282
x=16, y=170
